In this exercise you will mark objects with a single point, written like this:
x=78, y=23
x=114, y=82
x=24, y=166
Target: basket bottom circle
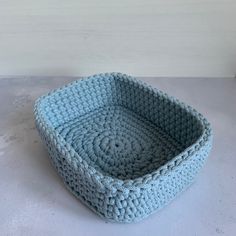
x=118, y=142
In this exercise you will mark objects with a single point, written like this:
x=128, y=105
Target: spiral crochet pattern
x=122, y=147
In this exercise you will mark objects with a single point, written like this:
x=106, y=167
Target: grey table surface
x=34, y=201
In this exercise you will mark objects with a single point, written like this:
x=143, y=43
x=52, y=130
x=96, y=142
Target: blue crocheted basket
x=122, y=147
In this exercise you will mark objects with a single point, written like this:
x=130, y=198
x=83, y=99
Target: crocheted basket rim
x=141, y=181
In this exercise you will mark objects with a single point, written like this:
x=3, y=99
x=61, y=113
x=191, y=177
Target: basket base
x=119, y=143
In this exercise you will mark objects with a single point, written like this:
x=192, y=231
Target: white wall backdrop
x=140, y=37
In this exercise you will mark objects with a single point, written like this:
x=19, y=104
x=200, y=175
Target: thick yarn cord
x=122, y=147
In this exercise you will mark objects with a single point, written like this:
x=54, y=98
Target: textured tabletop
x=34, y=201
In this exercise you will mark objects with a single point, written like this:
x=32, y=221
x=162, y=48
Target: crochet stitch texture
x=122, y=147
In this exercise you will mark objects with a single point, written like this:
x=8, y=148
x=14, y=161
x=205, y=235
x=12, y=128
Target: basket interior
x=120, y=126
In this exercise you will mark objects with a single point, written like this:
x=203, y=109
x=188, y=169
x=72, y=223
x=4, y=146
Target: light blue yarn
x=122, y=147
